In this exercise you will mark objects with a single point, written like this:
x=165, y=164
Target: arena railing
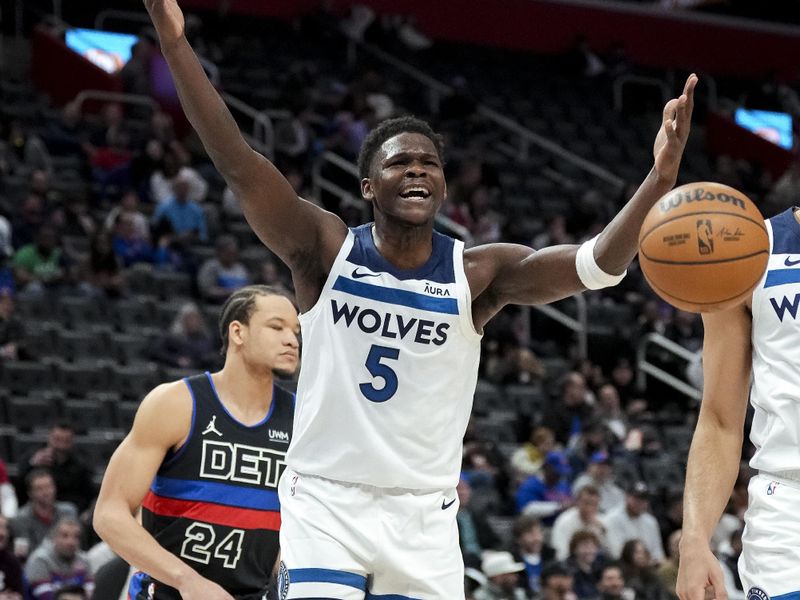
x=262, y=132
x=116, y=97
x=525, y=136
x=645, y=367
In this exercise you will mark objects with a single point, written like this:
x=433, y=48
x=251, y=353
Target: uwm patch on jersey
x=214, y=502
x=390, y=362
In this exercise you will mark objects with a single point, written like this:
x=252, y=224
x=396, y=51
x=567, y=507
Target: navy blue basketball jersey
x=214, y=502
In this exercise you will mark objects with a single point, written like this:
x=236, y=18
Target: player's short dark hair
x=388, y=129
x=240, y=306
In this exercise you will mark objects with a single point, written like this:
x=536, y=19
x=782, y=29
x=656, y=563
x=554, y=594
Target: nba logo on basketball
x=705, y=242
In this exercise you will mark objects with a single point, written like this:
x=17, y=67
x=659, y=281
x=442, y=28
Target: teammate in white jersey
x=758, y=338
x=392, y=314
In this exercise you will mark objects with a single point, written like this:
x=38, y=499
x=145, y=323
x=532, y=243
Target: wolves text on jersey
x=390, y=325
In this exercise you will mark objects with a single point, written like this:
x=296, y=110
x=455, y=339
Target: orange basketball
x=703, y=247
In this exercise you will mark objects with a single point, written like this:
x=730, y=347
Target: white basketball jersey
x=775, y=394
x=389, y=366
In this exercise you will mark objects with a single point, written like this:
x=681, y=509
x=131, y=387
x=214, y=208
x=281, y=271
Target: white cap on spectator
x=499, y=563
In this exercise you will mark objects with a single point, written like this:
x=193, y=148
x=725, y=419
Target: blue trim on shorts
x=135, y=587
x=789, y=596
x=394, y=597
x=328, y=576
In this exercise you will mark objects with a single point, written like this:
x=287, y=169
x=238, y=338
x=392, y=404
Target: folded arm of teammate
x=127, y=480
x=716, y=447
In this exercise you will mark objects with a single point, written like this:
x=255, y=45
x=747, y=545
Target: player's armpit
x=501, y=274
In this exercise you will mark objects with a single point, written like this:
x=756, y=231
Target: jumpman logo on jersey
x=212, y=427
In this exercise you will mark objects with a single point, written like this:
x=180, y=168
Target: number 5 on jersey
x=380, y=370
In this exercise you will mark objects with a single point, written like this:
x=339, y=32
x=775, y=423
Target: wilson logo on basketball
x=699, y=194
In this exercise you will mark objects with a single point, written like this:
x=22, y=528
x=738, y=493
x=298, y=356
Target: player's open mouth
x=415, y=193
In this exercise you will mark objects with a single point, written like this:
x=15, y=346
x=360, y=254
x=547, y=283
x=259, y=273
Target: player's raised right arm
x=296, y=230
x=716, y=447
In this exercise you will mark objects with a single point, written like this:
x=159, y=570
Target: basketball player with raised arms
x=203, y=460
x=392, y=314
x=759, y=338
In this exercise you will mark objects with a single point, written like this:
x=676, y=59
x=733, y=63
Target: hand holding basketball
x=671, y=138
x=703, y=247
x=167, y=18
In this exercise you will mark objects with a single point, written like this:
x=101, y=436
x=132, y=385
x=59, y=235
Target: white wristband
x=590, y=274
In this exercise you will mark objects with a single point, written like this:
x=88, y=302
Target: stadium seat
x=82, y=344
x=21, y=376
x=130, y=348
x=25, y=444
x=79, y=311
x=486, y=395
x=170, y=285
x=28, y=413
x=134, y=381
x=88, y=414
x=78, y=379
x=131, y=314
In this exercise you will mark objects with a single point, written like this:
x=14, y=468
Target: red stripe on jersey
x=215, y=514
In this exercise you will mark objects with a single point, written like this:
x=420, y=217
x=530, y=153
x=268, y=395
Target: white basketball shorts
x=770, y=562
x=342, y=541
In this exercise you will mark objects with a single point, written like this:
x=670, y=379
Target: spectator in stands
x=162, y=128
x=135, y=74
x=612, y=584
x=72, y=592
x=584, y=516
x=622, y=375
x=632, y=520
x=163, y=179
x=730, y=571
x=12, y=340
x=670, y=518
x=29, y=218
x=129, y=205
x=555, y=233
x=222, y=275
x=171, y=252
x=600, y=475
x=102, y=270
x=76, y=220
x=585, y=563
x=61, y=564
x=9, y=505
x=23, y=151
x=487, y=223
x=502, y=573
x=184, y=213
x=66, y=137
x=12, y=583
x=557, y=583
x=530, y=548
x=43, y=264
x=685, y=329
x=111, y=160
x=72, y=477
x=528, y=458
x=128, y=243
x=609, y=411
x=639, y=573
x=188, y=344
x=593, y=438
x=41, y=185
x=35, y=519
x=567, y=417
x=6, y=237
x=474, y=533
x=668, y=570
x=549, y=494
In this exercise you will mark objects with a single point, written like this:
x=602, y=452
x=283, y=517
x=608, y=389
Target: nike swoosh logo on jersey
x=790, y=263
x=357, y=275
x=447, y=505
